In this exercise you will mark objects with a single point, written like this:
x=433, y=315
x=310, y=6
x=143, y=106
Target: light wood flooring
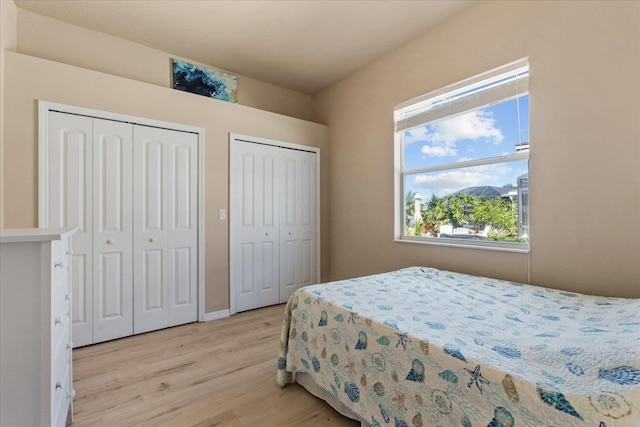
x=218, y=373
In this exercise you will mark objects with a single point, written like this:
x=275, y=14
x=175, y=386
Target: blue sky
x=489, y=132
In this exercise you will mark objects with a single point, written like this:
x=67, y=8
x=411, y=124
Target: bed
x=425, y=347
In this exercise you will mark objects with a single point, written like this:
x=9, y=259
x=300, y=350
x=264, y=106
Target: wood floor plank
x=219, y=373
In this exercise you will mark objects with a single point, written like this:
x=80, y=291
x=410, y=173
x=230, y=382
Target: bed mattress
x=425, y=347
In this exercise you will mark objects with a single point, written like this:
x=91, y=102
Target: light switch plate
x=222, y=214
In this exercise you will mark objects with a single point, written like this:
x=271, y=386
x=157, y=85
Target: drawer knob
x=58, y=264
x=110, y=242
x=57, y=321
x=152, y=240
x=66, y=297
x=58, y=385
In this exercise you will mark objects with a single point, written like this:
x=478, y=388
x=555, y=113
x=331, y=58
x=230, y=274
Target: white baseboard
x=215, y=315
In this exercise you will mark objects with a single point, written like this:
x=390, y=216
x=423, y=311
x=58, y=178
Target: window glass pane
x=493, y=131
x=488, y=202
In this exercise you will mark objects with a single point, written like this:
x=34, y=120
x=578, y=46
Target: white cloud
x=440, y=138
x=474, y=126
x=415, y=135
x=439, y=150
x=450, y=181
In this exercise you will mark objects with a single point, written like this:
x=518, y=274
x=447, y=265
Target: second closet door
x=273, y=220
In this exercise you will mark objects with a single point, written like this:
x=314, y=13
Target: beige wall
x=585, y=135
x=30, y=79
x=585, y=143
x=8, y=41
x=51, y=39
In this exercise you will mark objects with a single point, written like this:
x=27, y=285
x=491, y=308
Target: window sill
x=459, y=243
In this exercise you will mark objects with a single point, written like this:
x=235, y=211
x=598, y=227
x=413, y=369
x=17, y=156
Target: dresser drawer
x=60, y=350
x=60, y=365
x=61, y=291
x=59, y=258
x=61, y=397
x=60, y=319
x=61, y=359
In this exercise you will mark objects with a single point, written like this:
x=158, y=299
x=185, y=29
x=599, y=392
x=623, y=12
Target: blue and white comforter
x=423, y=347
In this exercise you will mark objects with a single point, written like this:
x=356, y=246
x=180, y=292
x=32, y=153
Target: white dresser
x=36, y=374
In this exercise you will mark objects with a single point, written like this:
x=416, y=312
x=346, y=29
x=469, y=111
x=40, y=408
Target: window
x=462, y=162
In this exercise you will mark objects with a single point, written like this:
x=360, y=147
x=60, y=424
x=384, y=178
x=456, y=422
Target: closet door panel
x=149, y=176
x=289, y=245
x=182, y=195
x=182, y=269
x=69, y=204
x=307, y=262
x=288, y=260
x=82, y=298
x=298, y=222
x=149, y=230
x=165, y=217
x=182, y=184
x=153, y=274
x=112, y=230
x=254, y=223
x=245, y=269
x=306, y=211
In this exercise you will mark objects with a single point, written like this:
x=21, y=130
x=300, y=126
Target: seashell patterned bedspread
x=424, y=347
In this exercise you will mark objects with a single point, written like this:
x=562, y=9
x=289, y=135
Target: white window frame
x=486, y=89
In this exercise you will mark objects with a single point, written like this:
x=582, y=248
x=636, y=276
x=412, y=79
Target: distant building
x=523, y=205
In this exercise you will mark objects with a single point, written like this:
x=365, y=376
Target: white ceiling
x=301, y=45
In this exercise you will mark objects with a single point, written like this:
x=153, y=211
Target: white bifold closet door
x=112, y=230
x=297, y=221
x=132, y=192
x=165, y=228
x=254, y=211
x=68, y=162
x=273, y=213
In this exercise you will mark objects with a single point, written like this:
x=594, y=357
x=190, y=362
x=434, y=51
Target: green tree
x=454, y=209
x=465, y=210
x=473, y=211
x=499, y=213
x=433, y=201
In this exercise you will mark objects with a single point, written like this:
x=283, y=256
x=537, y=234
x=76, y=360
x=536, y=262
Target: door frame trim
x=44, y=107
x=282, y=144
